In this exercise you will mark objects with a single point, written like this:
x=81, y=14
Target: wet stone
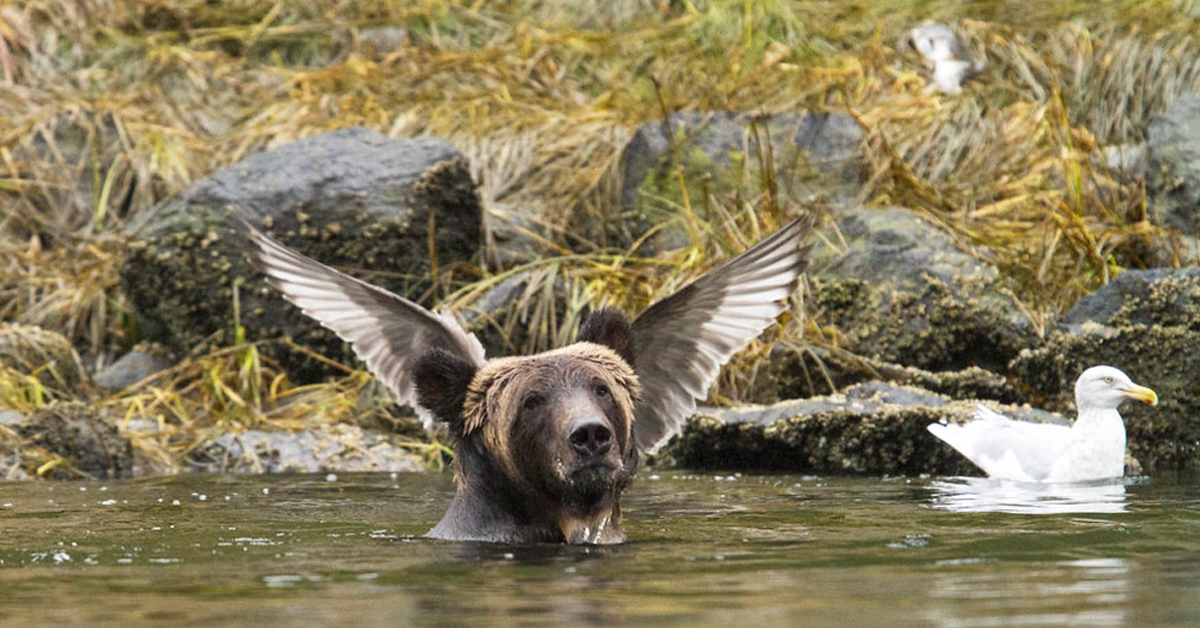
x=875, y=428
x=88, y=441
x=337, y=447
x=32, y=350
x=141, y=362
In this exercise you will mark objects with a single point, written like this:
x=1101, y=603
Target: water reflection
x=542, y=584
x=1091, y=592
x=971, y=494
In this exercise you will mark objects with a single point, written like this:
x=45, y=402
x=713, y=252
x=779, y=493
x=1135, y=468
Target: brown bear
x=545, y=444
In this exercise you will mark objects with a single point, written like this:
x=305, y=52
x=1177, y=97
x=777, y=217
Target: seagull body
x=945, y=55
x=1093, y=448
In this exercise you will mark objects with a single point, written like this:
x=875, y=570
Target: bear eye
x=601, y=390
x=533, y=401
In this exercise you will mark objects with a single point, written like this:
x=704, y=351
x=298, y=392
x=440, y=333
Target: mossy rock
x=44, y=354
x=85, y=438
x=899, y=290
x=876, y=429
x=1164, y=437
x=693, y=156
x=353, y=199
x=815, y=371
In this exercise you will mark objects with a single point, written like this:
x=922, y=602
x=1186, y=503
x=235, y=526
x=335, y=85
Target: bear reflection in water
x=546, y=443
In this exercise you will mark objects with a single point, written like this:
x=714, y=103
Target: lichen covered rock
x=721, y=153
x=44, y=355
x=86, y=440
x=874, y=428
x=351, y=198
x=900, y=291
x=1163, y=358
x=336, y=447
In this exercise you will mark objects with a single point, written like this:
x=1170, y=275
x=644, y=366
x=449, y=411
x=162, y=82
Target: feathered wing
x=681, y=342
x=387, y=331
x=1004, y=448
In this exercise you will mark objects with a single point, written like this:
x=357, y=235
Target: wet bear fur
x=544, y=442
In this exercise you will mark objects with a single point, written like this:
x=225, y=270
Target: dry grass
x=112, y=106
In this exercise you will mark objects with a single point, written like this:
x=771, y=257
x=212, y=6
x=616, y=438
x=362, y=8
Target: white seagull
x=945, y=55
x=1093, y=448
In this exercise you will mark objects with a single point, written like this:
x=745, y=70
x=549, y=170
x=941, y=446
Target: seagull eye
x=1108, y=380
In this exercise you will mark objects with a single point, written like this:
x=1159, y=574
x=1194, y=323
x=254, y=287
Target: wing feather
x=682, y=342
x=387, y=331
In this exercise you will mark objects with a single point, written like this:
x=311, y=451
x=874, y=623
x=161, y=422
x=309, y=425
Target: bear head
x=544, y=442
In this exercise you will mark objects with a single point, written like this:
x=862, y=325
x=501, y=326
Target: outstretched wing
x=387, y=331
x=681, y=342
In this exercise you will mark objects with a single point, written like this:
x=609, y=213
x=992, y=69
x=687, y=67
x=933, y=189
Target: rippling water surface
x=746, y=550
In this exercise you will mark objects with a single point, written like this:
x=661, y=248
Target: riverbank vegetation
x=112, y=106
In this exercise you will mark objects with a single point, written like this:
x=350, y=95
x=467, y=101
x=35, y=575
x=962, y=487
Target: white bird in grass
x=1093, y=448
x=945, y=55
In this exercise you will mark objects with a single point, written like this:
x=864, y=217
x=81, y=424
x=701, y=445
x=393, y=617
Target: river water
x=704, y=550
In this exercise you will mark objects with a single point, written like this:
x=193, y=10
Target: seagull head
x=934, y=41
x=1106, y=387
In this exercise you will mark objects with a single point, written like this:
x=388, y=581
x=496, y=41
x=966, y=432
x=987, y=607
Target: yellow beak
x=1142, y=394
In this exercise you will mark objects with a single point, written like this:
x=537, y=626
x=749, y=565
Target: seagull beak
x=1141, y=393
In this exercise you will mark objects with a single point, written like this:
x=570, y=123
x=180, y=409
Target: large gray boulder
x=1173, y=166
x=897, y=289
x=727, y=153
x=353, y=199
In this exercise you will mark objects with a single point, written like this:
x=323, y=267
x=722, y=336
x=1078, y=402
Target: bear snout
x=590, y=437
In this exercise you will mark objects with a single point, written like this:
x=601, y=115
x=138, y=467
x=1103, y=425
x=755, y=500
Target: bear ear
x=442, y=381
x=610, y=328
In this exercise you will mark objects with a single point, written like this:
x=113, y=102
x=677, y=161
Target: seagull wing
x=681, y=342
x=1004, y=448
x=387, y=331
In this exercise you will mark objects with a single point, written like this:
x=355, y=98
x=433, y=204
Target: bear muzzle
x=590, y=437
x=594, y=459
